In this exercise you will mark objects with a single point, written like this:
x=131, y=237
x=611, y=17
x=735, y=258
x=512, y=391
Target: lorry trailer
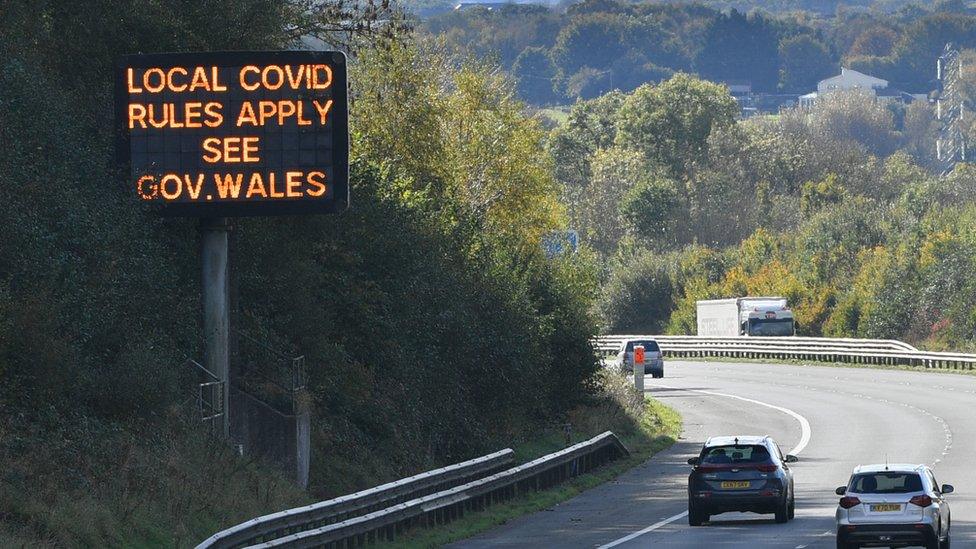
x=745, y=316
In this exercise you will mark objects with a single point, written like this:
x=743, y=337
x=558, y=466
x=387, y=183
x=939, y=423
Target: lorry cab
x=769, y=321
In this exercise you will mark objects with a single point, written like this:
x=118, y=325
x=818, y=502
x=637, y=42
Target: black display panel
x=235, y=133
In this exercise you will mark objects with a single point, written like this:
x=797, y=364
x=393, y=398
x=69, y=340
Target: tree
x=534, y=73
x=741, y=47
x=600, y=219
x=652, y=208
x=639, y=296
x=818, y=195
x=876, y=41
x=594, y=41
x=670, y=122
x=591, y=126
x=804, y=61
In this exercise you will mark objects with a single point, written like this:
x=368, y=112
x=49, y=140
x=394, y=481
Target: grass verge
x=645, y=427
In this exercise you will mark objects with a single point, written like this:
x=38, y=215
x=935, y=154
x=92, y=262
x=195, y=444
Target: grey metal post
x=638, y=371
x=216, y=310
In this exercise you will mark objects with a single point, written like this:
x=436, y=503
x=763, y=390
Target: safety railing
x=613, y=342
x=361, y=503
x=387, y=524
x=854, y=351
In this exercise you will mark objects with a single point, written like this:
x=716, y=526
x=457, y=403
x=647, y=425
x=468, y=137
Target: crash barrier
x=447, y=505
x=342, y=508
x=853, y=351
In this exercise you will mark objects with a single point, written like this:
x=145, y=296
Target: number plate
x=735, y=484
x=885, y=508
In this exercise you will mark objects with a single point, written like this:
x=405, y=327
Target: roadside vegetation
x=644, y=425
x=434, y=327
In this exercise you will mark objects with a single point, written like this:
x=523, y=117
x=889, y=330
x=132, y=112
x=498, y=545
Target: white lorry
x=745, y=316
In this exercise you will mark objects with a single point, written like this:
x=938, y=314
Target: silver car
x=893, y=505
x=653, y=358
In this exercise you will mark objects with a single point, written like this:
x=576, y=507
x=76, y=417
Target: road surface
x=833, y=418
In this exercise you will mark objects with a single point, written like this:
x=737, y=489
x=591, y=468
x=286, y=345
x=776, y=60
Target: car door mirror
x=693, y=461
x=841, y=490
x=790, y=458
x=947, y=489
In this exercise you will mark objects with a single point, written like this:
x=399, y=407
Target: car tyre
x=783, y=512
x=696, y=517
x=842, y=545
x=944, y=544
x=791, y=513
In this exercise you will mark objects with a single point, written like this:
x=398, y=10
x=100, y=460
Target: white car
x=893, y=505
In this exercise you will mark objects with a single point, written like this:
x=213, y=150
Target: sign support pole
x=216, y=310
x=639, y=368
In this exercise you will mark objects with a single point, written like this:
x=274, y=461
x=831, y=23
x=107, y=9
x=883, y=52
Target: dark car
x=744, y=473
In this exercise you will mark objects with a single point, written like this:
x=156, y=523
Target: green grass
x=557, y=115
x=654, y=428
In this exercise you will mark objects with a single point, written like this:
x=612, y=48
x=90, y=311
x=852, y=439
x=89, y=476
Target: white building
x=849, y=80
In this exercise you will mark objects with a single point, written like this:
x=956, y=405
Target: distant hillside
x=589, y=48
x=427, y=8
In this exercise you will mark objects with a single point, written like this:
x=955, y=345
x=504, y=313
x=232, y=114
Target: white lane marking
x=804, y=440
x=639, y=533
x=805, y=430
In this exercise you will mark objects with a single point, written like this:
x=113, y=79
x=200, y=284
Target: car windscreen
x=742, y=453
x=886, y=482
x=770, y=327
x=649, y=346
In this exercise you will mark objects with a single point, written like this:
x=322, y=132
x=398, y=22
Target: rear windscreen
x=886, y=482
x=736, y=454
x=650, y=346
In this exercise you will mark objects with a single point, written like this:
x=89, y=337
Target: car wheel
x=945, y=543
x=842, y=545
x=783, y=512
x=791, y=513
x=696, y=517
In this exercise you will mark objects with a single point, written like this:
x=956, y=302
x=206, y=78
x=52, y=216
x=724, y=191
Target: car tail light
x=767, y=468
x=849, y=501
x=921, y=501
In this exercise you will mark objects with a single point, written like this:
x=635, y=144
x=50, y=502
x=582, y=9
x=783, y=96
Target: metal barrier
x=447, y=505
x=613, y=342
x=853, y=351
x=342, y=508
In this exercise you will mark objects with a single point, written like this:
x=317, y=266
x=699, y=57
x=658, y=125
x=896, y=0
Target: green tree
x=652, y=207
x=594, y=41
x=639, y=296
x=535, y=74
x=804, y=62
x=818, y=195
x=670, y=123
x=740, y=47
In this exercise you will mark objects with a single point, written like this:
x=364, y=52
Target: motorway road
x=853, y=415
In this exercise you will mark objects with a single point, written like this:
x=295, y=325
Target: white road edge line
x=805, y=433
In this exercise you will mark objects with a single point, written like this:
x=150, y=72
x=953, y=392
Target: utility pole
x=216, y=310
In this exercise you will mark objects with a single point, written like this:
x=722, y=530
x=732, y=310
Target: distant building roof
x=850, y=79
